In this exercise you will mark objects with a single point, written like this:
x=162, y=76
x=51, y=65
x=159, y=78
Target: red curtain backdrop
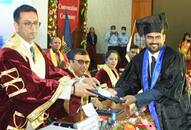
x=72, y=7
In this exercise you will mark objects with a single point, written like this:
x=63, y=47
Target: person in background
x=185, y=49
x=79, y=64
x=58, y=58
x=123, y=40
x=112, y=39
x=29, y=82
x=139, y=40
x=91, y=46
x=134, y=50
x=160, y=72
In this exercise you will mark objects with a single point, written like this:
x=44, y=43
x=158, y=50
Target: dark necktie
x=32, y=53
x=153, y=65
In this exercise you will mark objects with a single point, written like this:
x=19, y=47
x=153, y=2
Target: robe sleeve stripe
x=12, y=83
x=6, y=72
x=17, y=92
x=36, y=115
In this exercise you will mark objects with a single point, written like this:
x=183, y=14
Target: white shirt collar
x=150, y=59
x=155, y=55
x=26, y=44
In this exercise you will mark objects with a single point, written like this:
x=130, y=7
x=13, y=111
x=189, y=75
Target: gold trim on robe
x=12, y=82
x=83, y=101
x=113, y=80
x=19, y=125
x=53, y=57
x=111, y=74
x=67, y=102
x=14, y=128
x=36, y=117
x=15, y=42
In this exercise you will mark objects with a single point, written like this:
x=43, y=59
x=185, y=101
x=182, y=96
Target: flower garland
x=83, y=13
x=52, y=18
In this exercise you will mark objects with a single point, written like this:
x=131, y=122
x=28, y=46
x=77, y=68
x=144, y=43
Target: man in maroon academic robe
x=79, y=64
x=29, y=83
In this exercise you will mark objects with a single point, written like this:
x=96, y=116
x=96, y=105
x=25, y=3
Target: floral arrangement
x=52, y=18
x=140, y=120
x=83, y=15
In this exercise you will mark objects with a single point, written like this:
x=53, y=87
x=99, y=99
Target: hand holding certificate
x=106, y=94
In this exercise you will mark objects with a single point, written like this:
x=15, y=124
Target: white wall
x=42, y=8
x=103, y=13
x=6, y=18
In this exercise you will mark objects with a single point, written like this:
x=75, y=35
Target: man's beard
x=154, y=47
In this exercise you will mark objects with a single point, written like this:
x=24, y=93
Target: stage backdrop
x=72, y=8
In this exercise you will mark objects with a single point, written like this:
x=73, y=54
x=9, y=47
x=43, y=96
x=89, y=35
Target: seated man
x=58, y=58
x=79, y=64
x=134, y=50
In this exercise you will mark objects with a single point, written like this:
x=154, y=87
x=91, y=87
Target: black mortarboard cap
x=155, y=23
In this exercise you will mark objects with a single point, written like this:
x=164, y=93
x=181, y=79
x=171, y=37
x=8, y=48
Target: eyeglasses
x=29, y=24
x=81, y=62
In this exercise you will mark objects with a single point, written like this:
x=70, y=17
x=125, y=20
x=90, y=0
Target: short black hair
x=77, y=51
x=186, y=34
x=134, y=47
x=23, y=8
x=112, y=26
x=108, y=53
x=52, y=39
x=123, y=28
